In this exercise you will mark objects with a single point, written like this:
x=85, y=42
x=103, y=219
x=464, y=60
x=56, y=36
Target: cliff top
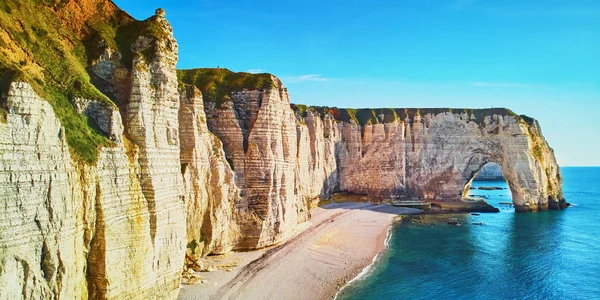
x=217, y=84
x=50, y=44
x=369, y=116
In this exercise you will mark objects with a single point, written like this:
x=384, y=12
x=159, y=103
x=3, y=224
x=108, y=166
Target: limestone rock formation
x=41, y=249
x=210, y=190
x=259, y=135
x=152, y=124
x=106, y=116
x=317, y=173
x=433, y=154
x=411, y=154
x=111, y=228
x=115, y=173
x=490, y=172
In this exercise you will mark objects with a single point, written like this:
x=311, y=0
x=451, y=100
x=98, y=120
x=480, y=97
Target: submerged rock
x=489, y=188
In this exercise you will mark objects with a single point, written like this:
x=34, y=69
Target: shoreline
x=366, y=270
x=316, y=263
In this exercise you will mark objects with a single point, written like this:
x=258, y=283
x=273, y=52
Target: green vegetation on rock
x=537, y=141
x=300, y=108
x=527, y=119
x=50, y=45
x=192, y=246
x=217, y=84
x=3, y=114
x=370, y=116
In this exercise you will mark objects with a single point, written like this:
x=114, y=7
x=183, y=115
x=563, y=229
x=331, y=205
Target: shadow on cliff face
x=330, y=185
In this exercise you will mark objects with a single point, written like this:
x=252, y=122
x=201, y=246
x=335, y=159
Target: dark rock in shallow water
x=490, y=188
x=464, y=206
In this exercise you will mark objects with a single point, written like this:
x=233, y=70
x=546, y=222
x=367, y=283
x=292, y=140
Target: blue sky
x=536, y=57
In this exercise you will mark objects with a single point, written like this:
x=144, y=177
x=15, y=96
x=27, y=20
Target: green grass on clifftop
x=217, y=84
x=369, y=116
x=50, y=44
x=3, y=114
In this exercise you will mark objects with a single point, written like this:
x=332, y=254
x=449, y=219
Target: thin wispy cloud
x=255, y=71
x=305, y=78
x=464, y=4
x=502, y=84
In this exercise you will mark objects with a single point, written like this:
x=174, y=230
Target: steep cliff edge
x=97, y=187
x=406, y=154
x=251, y=114
x=211, y=193
x=433, y=154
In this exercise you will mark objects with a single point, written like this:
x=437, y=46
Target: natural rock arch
x=433, y=154
x=531, y=187
x=513, y=142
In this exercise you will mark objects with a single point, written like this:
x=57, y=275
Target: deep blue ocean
x=548, y=255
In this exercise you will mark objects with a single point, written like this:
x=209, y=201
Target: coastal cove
x=549, y=255
x=491, y=255
x=314, y=264
x=126, y=173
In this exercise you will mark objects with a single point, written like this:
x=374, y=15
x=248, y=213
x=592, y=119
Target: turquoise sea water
x=548, y=255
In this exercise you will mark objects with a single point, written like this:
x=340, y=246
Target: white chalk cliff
x=188, y=174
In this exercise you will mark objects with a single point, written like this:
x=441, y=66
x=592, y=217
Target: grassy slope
x=51, y=43
x=368, y=116
x=217, y=84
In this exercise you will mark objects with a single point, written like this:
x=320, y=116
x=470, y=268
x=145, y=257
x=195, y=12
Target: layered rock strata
x=260, y=139
x=210, y=191
x=41, y=232
x=112, y=229
x=433, y=155
x=406, y=154
x=187, y=174
x=152, y=124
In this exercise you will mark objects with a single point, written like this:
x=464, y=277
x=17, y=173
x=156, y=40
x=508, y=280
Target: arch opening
x=489, y=184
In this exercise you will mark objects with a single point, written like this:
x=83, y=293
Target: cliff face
x=210, y=191
x=41, y=249
x=433, y=155
x=113, y=169
x=114, y=227
x=258, y=130
x=409, y=154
